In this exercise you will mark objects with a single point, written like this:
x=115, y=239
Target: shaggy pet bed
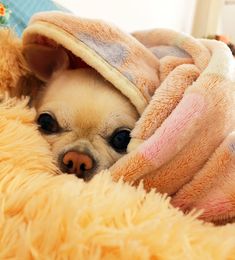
x=46, y=215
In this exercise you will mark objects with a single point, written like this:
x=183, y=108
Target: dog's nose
x=78, y=163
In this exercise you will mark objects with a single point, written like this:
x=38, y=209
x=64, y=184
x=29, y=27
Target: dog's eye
x=120, y=140
x=47, y=123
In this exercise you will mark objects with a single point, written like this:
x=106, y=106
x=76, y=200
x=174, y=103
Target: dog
x=86, y=121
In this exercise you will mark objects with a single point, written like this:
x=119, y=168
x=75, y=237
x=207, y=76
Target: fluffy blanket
x=183, y=88
x=47, y=215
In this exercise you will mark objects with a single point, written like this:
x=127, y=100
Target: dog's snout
x=78, y=163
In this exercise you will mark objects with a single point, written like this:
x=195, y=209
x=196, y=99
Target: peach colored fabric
x=183, y=89
x=200, y=172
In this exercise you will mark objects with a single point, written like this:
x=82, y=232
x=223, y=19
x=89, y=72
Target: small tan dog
x=86, y=121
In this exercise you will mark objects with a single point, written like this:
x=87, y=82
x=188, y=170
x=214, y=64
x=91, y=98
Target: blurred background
x=201, y=18
x=137, y=14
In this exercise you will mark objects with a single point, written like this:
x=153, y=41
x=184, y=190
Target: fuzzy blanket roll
x=45, y=215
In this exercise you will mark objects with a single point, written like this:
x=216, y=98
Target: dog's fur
x=88, y=110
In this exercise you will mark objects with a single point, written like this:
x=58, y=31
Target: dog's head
x=84, y=118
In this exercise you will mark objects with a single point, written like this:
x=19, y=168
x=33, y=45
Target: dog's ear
x=29, y=86
x=45, y=61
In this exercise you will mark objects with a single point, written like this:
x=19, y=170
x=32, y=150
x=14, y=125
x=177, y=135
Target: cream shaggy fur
x=49, y=216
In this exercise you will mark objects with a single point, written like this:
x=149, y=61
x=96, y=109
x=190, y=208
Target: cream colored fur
x=89, y=110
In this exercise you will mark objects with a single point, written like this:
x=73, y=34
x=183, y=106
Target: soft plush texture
x=111, y=52
x=45, y=215
x=183, y=88
x=50, y=216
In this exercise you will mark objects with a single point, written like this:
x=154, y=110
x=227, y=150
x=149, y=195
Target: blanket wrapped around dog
x=182, y=145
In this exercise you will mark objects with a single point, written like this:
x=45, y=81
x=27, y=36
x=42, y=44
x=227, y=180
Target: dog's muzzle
x=79, y=163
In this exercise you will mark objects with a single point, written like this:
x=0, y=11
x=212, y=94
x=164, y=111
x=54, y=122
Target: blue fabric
x=22, y=10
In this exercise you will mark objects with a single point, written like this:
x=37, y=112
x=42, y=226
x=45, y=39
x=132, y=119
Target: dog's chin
x=85, y=175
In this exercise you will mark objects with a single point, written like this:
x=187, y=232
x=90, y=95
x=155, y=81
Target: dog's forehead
x=84, y=87
x=76, y=83
x=83, y=100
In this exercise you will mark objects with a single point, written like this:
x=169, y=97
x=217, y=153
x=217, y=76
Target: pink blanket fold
x=183, y=144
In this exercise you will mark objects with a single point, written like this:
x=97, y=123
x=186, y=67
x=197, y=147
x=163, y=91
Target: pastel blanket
x=183, y=89
x=182, y=145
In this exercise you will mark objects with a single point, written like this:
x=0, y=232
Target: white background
x=227, y=25
x=133, y=15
